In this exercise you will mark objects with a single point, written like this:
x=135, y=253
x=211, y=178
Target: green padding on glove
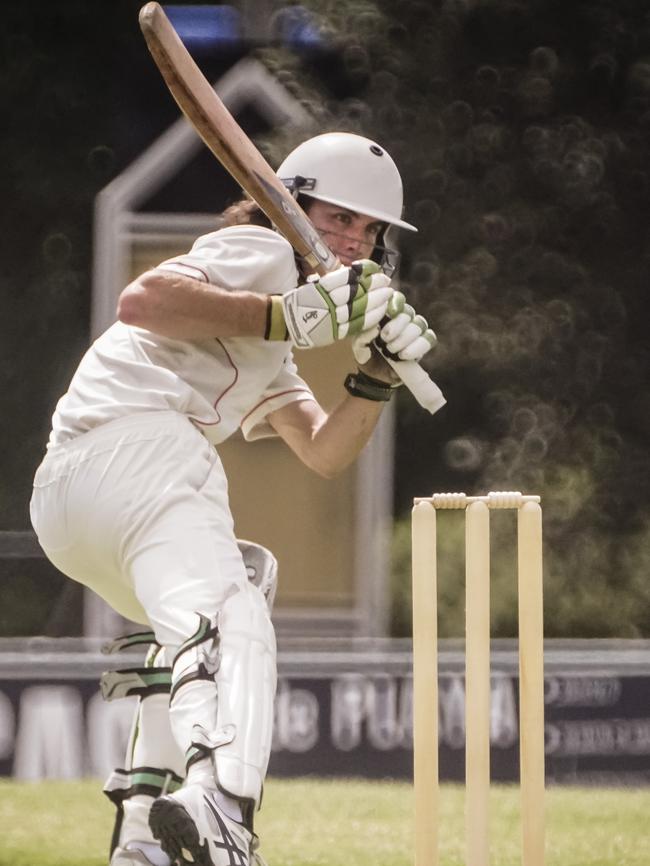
x=340, y=304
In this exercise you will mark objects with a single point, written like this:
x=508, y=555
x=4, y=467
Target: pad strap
x=149, y=781
x=204, y=743
x=135, y=681
x=128, y=641
x=198, y=657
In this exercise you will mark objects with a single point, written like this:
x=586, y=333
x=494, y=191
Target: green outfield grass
x=342, y=823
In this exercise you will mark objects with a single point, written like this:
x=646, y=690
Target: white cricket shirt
x=220, y=384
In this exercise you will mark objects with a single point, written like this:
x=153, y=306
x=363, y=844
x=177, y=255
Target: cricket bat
x=236, y=152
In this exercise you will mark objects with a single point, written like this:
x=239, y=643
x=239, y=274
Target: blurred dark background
x=522, y=130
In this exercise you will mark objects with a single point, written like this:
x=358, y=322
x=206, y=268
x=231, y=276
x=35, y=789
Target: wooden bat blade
x=236, y=152
x=226, y=139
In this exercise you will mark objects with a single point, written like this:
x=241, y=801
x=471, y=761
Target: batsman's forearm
x=182, y=308
x=347, y=431
x=327, y=443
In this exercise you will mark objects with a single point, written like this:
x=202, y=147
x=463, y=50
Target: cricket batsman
x=131, y=498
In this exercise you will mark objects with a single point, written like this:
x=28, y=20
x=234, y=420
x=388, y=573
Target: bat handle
x=424, y=389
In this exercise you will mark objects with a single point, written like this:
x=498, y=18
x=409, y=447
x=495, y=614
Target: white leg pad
x=154, y=746
x=261, y=568
x=246, y=682
x=194, y=697
x=153, y=765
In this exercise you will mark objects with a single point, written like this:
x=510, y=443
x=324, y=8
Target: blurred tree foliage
x=522, y=130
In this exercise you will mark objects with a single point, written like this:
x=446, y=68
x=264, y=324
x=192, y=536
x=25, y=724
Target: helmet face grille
x=386, y=258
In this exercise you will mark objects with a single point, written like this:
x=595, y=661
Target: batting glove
x=405, y=336
x=361, y=345
x=325, y=309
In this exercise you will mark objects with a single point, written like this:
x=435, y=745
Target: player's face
x=349, y=235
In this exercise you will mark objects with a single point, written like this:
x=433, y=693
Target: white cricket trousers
x=137, y=510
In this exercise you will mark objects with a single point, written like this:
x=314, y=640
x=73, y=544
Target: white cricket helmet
x=350, y=171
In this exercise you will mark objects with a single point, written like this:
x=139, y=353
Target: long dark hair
x=244, y=212
x=247, y=212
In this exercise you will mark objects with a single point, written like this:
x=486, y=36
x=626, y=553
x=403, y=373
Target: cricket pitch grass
x=340, y=823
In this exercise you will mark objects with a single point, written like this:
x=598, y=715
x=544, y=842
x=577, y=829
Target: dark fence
x=344, y=708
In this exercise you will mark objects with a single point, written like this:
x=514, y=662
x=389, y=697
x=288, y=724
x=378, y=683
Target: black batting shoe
x=194, y=831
